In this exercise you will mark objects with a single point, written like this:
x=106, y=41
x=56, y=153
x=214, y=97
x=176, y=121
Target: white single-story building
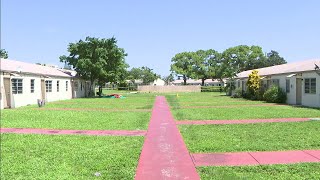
x=158, y=82
x=300, y=80
x=207, y=82
x=24, y=83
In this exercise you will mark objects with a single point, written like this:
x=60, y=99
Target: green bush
x=212, y=89
x=238, y=93
x=275, y=95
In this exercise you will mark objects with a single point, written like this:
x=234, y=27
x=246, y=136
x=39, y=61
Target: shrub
x=253, y=85
x=275, y=95
x=212, y=89
x=237, y=93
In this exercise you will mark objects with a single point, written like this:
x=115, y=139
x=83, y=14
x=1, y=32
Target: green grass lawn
x=252, y=112
x=252, y=137
x=232, y=113
x=81, y=120
x=29, y=117
x=68, y=156
x=145, y=105
x=265, y=172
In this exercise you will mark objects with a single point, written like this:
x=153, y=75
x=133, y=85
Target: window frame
x=309, y=86
x=48, y=84
x=76, y=85
x=32, y=82
x=58, y=85
x=16, y=85
x=288, y=85
x=67, y=85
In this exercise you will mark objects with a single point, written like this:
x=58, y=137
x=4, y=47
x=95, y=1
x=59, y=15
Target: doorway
x=43, y=89
x=7, y=100
x=298, y=91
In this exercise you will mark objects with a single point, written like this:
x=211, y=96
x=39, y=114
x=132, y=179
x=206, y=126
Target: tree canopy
x=210, y=64
x=205, y=64
x=182, y=64
x=3, y=54
x=273, y=58
x=97, y=60
x=143, y=73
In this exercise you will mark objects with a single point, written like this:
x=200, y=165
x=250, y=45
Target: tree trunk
x=91, y=91
x=100, y=91
x=184, y=80
x=202, y=81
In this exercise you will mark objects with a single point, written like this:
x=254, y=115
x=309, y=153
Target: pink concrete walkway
x=245, y=121
x=164, y=154
x=232, y=106
x=256, y=158
x=83, y=132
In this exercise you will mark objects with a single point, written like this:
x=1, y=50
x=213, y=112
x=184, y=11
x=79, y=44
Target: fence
x=168, y=89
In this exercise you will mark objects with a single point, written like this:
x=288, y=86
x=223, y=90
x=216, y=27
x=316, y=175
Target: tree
x=96, y=60
x=205, y=64
x=144, y=73
x=168, y=79
x=241, y=58
x=3, y=54
x=181, y=64
x=273, y=58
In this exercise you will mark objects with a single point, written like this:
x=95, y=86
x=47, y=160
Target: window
x=310, y=86
x=58, y=86
x=81, y=86
x=288, y=85
x=76, y=85
x=17, y=86
x=48, y=86
x=32, y=85
x=66, y=85
x=275, y=82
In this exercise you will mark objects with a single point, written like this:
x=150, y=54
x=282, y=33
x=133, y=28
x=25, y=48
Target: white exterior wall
x=63, y=93
x=28, y=98
x=78, y=91
x=2, y=91
x=312, y=100
x=158, y=82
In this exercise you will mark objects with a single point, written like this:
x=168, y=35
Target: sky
x=152, y=32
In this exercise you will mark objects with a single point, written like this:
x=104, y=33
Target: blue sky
x=152, y=32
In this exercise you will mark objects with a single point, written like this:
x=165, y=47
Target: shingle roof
x=18, y=66
x=301, y=66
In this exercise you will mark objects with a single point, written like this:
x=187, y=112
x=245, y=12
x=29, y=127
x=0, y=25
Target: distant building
x=207, y=82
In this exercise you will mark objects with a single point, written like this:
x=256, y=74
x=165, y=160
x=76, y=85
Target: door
x=43, y=89
x=7, y=97
x=298, y=91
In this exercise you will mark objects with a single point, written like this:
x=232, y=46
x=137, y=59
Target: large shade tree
x=97, y=60
x=3, y=54
x=182, y=64
x=242, y=58
x=205, y=65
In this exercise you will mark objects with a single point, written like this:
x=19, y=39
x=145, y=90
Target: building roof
x=192, y=81
x=23, y=67
x=300, y=66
